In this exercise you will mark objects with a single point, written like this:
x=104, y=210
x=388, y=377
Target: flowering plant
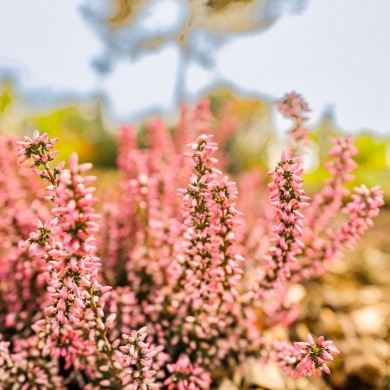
x=168, y=292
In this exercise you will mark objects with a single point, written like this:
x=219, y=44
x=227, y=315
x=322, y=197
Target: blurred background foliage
x=84, y=127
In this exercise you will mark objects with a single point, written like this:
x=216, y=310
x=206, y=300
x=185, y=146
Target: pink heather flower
x=207, y=298
x=27, y=366
x=325, y=205
x=293, y=107
x=22, y=290
x=288, y=197
x=286, y=355
x=75, y=327
x=314, y=356
x=138, y=359
x=186, y=376
x=327, y=202
x=5, y=358
x=177, y=270
x=360, y=212
x=73, y=255
x=210, y=217
x=39, y=148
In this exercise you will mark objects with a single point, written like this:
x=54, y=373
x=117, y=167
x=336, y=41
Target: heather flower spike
x=293, y=107
x=75, y=322
x=40, y=149
x=288, y=198
x=210, y=218
x=327, y=202
x=138, y=359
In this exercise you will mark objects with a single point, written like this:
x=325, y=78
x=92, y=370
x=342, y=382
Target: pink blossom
x=288, y=198
x=314, y=355
x=185, y=376
x=293, y=107
x=138, y=358
x=303, y=358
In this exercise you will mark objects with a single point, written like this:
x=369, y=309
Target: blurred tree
x=129, y=28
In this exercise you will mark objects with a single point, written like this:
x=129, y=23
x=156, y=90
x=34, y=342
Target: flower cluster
x=292, y=106
x=314, y=356
x=40, y=149
x=361, y=210
x=327, y=202
x=288, y=197
x=184, y=375
x=210, y=221
x=138, y=356
x=27, y=366
x=303, y=358
x=66, y=243
x=210, y=267
x=74, y=284
x=74, y=327
x=21, y=289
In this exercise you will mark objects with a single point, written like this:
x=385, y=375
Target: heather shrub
x=170, y=285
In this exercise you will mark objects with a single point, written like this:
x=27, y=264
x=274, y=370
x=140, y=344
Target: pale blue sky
x=336, y=53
